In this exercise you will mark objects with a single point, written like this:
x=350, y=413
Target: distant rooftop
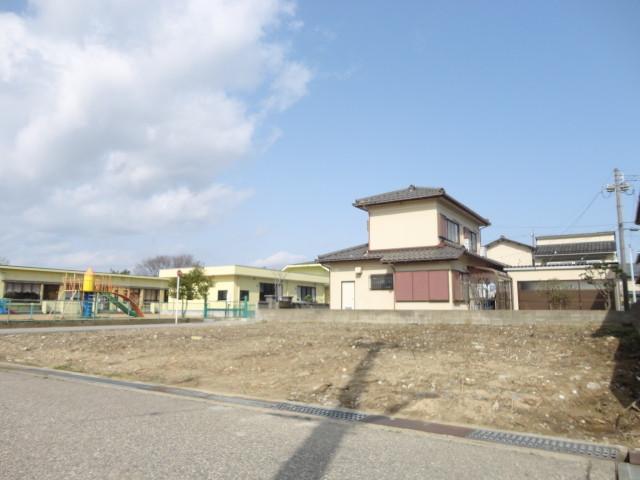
x=413, y=192
x=504, y=239
x=575, y=235
x=578, y=248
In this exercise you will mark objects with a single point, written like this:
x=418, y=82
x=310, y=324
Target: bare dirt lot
x=578, y=382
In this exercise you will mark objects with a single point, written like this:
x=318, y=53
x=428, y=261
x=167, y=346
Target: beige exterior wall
x=605, y=237
x=510, y=254
x=367, y=299
x=403, y=225
x=414, y=224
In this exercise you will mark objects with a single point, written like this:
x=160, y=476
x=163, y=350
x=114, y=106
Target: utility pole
x=618, y=186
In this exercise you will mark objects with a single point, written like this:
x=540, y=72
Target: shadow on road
x=311, y=459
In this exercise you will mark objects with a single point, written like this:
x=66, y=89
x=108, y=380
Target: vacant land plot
x=578, y=382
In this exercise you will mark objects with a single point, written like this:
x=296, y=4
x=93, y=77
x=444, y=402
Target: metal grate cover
x=322, y=412
x=561, y=446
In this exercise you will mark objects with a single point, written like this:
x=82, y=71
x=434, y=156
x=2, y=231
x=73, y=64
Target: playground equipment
x=90, y=288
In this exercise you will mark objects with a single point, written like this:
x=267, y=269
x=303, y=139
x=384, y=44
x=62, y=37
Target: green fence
x=231, y=310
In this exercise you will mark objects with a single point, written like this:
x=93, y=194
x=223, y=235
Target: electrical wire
x=585, y=210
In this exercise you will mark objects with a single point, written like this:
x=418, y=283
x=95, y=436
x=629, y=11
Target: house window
x=244, y=295
x=151, y=295
x=307, y=294
x=222, y=295
x=452, y=231
x=267, y=289
x=471, y=240
x=382, y=282
x=22, y=291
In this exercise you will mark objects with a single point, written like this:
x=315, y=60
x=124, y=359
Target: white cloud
x=115, y=113
x=279, y=260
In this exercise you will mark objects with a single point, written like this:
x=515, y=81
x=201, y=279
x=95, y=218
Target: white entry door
x=348, y=295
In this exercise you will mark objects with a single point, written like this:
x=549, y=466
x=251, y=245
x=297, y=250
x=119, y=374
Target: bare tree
x=153, y=265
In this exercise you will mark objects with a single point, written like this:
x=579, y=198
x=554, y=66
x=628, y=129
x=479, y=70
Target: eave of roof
x=416, y=193
x=442, y=252
x=575, y=235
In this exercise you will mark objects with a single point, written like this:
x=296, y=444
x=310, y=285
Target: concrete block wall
x=439, y=317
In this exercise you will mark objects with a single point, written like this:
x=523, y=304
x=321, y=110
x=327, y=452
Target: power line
x=585, y=210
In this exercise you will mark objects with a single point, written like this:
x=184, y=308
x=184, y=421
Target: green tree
x=193, y=284
x=557, y=297
x=604, y=277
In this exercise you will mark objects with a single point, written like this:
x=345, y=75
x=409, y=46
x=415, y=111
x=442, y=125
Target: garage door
x=559, y=295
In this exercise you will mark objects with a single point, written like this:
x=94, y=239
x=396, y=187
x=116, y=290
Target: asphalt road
x=64, y=429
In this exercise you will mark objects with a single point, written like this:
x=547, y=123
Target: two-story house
x=422, y=253
x=551, y=273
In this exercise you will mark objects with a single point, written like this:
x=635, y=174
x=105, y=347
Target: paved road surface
x=63, y=429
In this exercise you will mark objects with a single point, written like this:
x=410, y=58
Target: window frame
x=386, y=279
x=451, y=223
x=224, y=293
x=310, y=291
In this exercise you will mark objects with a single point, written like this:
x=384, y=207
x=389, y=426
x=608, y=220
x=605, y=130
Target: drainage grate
x=322, y=412
x=561, y=446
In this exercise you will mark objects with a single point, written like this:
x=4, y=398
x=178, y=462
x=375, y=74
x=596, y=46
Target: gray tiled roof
x=423, y=254
x=410, y=193
x=359, y=252
x=414, y=193
x=399, y=255
x=587, y=248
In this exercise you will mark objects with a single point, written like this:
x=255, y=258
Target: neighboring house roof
x=579, y=248
x=444, y=251
x=575, y=235
x=359, y=252
x=414, y=193
x=504, y=239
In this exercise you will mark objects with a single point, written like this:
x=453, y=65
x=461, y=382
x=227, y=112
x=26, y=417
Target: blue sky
x=521, y=110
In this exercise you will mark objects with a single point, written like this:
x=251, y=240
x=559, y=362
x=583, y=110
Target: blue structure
x=87, y=305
